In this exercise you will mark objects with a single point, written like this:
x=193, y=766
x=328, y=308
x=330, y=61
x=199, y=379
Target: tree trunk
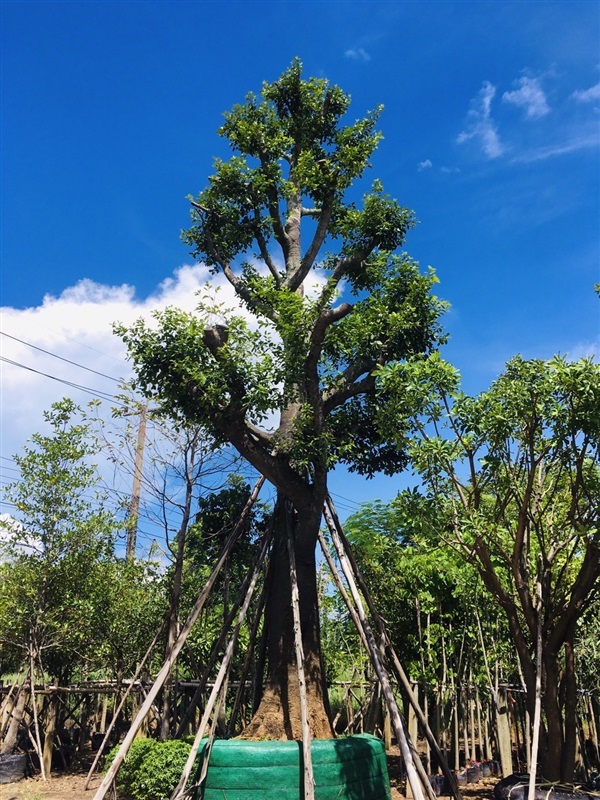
x=49, y=732
x=278, y=715
x=551, y=746
x=10, y=740
x=503, y=731
x=569, y=755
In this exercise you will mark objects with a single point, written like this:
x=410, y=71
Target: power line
x=94, y=392
x=54, y=355
x=347, y=499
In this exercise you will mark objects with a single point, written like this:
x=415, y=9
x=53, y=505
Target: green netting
x=351, y=768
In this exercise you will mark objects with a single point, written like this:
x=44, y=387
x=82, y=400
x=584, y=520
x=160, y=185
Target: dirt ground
x=70, y=787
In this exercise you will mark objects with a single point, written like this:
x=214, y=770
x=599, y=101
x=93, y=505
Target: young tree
x=50, y=592
x=516, y=472
x=308, y=355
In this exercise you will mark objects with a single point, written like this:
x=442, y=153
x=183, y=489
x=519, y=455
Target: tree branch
x=273, y=208
x=298, y=276
x=317, y=337
x=256, y=447
x=264, y=252
x=348, y=390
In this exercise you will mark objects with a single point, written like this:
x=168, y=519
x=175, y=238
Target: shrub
x=151, y=770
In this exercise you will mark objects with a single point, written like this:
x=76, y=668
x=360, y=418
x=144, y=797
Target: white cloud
x=481, y=125
x=587, y=95
x=584, y=350
x=357, y=54
x=587, y=142
x=77, y=327
x=427, y=164
x=530, y=96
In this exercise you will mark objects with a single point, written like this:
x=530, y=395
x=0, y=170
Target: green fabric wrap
x=350, y=768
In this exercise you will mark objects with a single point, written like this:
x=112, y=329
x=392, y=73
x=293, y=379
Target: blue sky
x=109, y=113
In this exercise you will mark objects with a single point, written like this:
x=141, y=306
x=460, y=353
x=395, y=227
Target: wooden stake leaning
x=382, y=675
x=247, y=664
x=36, y=723
x=216, y=649
x=177, y=646
x=180, y=790
x=398, y=669
x=309, y=778
x=359, y=626
x=538, y=685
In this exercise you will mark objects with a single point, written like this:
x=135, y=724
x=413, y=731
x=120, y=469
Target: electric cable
x=54, y=355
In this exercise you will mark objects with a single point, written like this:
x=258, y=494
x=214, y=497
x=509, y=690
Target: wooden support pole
x=177, y=646
x=382, y=675
x=180, y=790
x=335, y=525
x=538, y=686
x=247, y=663
x=36, y=724
x=216, y=649
x=309, y=778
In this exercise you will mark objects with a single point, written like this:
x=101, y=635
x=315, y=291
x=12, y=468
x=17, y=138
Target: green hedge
x=151, y=770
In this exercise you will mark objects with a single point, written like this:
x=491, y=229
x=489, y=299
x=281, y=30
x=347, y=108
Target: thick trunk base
x=278, y=716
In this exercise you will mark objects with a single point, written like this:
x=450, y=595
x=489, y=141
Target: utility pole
x=134, y=506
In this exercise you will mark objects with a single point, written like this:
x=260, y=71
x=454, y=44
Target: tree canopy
x=514, y=477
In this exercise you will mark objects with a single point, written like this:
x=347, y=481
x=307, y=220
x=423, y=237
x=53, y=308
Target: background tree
x=434, y=607
x=60, y=534
x=515, y=472
x=181, y=464
x=307, y=358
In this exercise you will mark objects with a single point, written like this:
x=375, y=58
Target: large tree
x=328, y=302
x=515, y=472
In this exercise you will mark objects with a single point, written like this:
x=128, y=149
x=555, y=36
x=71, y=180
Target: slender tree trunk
x=49, y=733
x=479, y=729
x=503, y=731
x=569, y=754
x=551, y=749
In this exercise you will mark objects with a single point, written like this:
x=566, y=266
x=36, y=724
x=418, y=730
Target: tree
x=50, y=593
x=516, y=473
x=306, y=357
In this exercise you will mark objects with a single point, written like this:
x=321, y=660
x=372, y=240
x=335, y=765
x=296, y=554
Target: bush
x=151, y=770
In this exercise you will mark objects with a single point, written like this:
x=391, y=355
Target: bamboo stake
x=8, y=704
x=177, y=646
x=216, y=649
x=342, y=590
x=358, y=623
x=180, y=790
x=246, y=667
x=538, y=687
x=382, y=674
x=36, y=724
x=115, y=717
x=334, y=525
x=309, y=778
